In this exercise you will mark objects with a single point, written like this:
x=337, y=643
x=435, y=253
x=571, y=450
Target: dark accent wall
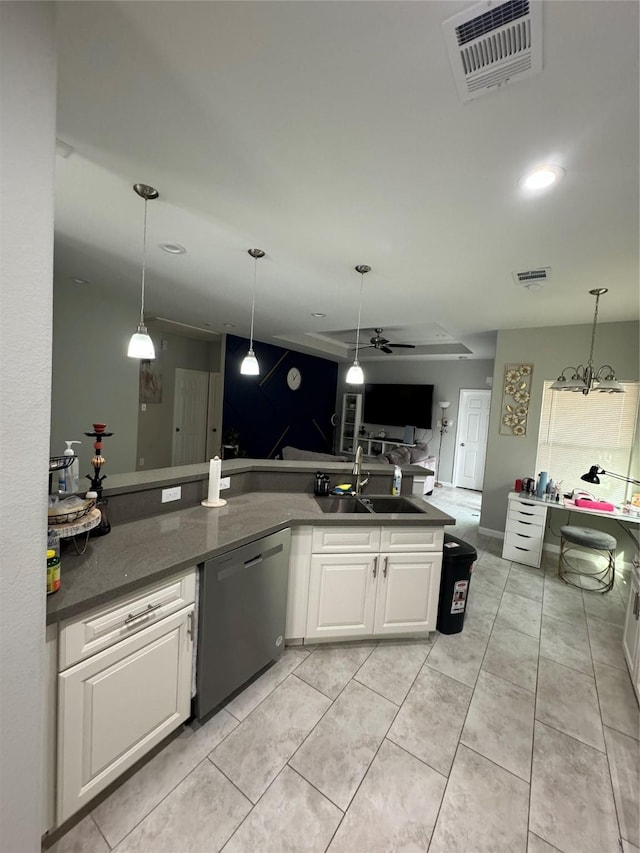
x=266, y=413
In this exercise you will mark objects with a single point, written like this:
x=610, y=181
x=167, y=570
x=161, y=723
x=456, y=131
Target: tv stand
x=377, y=446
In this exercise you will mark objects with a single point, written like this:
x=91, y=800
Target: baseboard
x=494, y=534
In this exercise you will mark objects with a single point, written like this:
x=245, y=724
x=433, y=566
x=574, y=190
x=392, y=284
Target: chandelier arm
x=605, y=367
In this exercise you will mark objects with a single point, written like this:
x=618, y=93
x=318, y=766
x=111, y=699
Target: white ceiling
x=331, y=134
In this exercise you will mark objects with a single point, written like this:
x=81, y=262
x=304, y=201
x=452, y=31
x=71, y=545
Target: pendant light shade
x=584, y=379
x=141, y=345
x=355, y=374
x=250, y=366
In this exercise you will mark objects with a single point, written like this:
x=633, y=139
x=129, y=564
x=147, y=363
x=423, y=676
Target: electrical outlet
x=171, y=494
x=225, y=483
x=143, y=407
x=141, y=460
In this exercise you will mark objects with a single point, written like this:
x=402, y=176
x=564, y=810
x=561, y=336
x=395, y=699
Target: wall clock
x=294, y=378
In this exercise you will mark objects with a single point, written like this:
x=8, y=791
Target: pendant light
x=355, y=376
x=141, y=345
x=250, y=366
x=587, y=378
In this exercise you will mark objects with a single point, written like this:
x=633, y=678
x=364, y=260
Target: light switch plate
x=225, y=483
x=173, y=494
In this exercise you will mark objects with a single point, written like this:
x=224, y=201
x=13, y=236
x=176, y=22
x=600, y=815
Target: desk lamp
x=592, y=476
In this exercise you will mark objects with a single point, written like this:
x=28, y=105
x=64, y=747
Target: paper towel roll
x=215, y=466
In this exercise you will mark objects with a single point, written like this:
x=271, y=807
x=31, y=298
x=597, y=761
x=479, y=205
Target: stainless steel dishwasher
x=243, y=602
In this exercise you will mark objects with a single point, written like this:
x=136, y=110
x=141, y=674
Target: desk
x=527, y=519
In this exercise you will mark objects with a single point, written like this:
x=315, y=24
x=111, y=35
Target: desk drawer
x=101, y=627
x=519, y=522
x=522, y=550
x=531, y=509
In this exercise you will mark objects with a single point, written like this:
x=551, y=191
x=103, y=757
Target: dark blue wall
x=266, y=413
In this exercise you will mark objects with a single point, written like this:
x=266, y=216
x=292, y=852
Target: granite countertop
x=142, y=552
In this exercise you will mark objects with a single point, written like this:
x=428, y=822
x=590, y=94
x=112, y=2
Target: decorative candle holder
x=96, y=481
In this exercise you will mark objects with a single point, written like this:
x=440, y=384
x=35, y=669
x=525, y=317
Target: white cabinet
x=115, y=705
x=524, y=530
x=362, y=591
x=631, y=635
x=351, y=422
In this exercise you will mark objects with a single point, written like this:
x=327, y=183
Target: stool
x=595, y=540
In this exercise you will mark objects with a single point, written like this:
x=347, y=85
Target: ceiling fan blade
x=386, y=349
x=403, y=346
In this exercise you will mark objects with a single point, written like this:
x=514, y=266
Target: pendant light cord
x=144, y=260
x=253, y=301
x=359, y=315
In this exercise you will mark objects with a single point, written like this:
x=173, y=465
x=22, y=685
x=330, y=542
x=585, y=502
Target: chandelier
x=587, y=378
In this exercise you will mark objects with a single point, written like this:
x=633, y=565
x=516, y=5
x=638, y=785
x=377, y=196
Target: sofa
x=416, y=454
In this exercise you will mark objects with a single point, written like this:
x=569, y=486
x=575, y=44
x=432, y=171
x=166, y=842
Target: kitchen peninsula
x=122, y=630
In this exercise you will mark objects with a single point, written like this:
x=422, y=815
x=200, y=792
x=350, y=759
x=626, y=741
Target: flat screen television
x=398, y=405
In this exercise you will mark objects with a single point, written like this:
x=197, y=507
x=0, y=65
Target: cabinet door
x=341, y=595
x=115, y=706
x=631, y=635
x=407, y=594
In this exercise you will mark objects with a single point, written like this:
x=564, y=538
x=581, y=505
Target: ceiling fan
x=384, y=344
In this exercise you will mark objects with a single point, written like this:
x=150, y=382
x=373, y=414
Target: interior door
x=407, y=595
x=471, y=439
x=190, y=410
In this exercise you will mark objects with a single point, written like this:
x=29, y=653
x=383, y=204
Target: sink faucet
x=357, y=472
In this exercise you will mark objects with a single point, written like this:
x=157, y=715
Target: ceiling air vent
x=492, y=44
x=532, y=279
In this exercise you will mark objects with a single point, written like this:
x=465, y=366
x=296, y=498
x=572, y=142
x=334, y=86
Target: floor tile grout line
x=351, y=678
x=99, y=830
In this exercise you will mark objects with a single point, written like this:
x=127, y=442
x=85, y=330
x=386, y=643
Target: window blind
x=578, y=431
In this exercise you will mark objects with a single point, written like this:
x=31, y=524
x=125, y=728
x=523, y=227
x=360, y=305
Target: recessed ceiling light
x=318, y=314
x=229, y=325
x=79, y=281
x=542, y=177
x=173, y=248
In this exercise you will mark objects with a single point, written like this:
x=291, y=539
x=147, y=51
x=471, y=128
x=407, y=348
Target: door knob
x=462, y=444
x=177, y=429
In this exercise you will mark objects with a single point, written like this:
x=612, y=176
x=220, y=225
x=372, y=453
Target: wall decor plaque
x=516, y=395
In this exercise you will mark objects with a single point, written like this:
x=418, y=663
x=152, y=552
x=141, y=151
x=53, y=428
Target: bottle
x=397, y=480
x=53, y=571
x=72, y=473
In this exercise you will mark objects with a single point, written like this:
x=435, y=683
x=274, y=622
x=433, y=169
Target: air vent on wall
x=532, y=279
x=492, y=44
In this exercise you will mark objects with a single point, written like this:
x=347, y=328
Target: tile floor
x=518, y=734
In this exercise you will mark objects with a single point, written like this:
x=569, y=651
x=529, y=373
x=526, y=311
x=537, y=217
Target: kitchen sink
x=389, y=503
x=342, y=504
x=366, y=504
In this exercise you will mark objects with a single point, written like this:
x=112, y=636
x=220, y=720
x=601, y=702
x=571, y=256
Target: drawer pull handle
x=520, y=549
x=527, y=513
x=375, y=566
x=132, y=617
x=524, y=503
x=386, y=565
x=523, y=535
x=190, y=626
x=528, y=523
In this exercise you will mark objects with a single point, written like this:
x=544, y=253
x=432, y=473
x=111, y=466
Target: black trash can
x=457, y=561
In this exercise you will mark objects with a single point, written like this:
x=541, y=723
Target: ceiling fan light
x=250, y=366
x=141, y=345
x=355, y=375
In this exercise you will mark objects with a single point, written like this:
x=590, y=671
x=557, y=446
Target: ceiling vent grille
x=532, y=279
x=493, y=44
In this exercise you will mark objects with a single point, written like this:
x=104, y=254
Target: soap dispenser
x=72, y=473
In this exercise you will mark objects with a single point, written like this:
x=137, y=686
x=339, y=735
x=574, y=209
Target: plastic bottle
x=397, y=480
x=70, y=475
x=53, y=571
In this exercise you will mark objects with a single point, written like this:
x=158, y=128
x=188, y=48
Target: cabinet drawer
x=531, y=539
x=103, y=626
x=345, y=540
x=399, y=539
x=517, y=523
x=529, y=555
x=529, y=507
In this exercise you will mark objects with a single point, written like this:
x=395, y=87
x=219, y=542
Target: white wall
x=549, y=350
x=27, y=140
x=447, y=377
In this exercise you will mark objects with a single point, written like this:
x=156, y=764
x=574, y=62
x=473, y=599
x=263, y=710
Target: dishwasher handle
x=254, y=561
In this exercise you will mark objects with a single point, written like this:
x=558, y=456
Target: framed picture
x=150, y=383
